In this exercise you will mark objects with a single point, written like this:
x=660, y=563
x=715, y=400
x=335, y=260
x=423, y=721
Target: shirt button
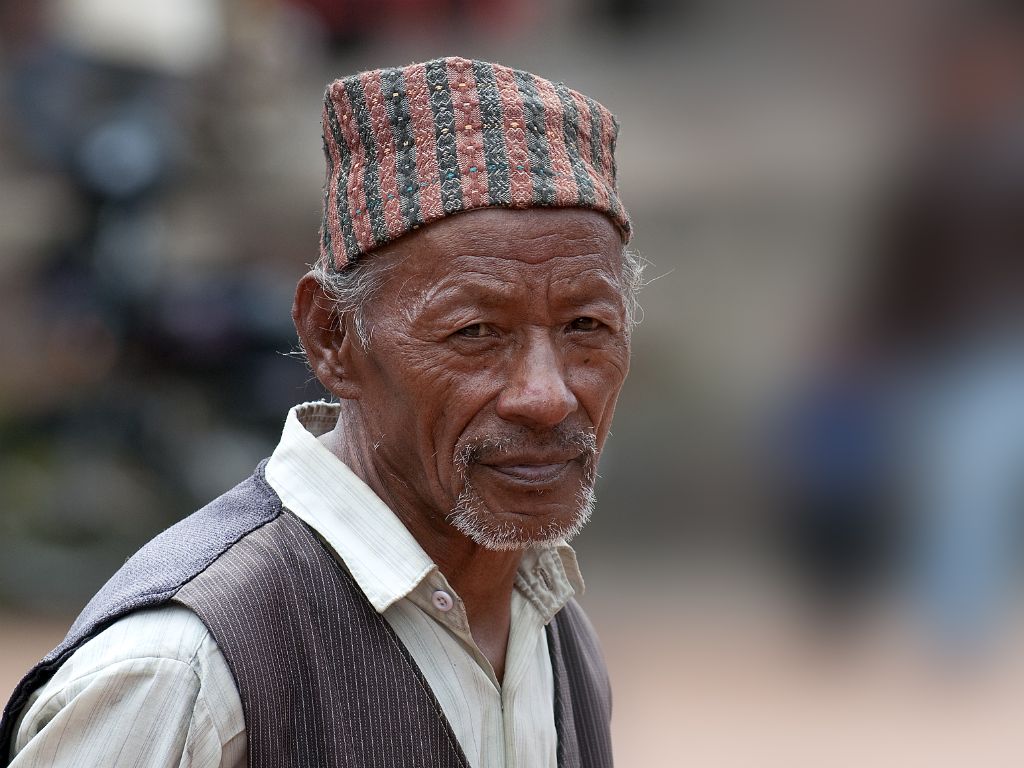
x=442, y=601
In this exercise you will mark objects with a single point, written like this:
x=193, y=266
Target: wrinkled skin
x=494, y=325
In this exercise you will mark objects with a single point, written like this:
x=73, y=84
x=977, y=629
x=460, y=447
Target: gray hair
x=353, y=288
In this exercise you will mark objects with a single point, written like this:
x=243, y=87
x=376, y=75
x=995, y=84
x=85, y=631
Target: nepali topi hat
x=407, y=146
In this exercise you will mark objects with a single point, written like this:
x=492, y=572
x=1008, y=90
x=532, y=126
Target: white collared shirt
x=154, y=690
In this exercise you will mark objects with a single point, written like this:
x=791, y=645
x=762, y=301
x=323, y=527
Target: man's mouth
x=521, y=463
x=531, y=470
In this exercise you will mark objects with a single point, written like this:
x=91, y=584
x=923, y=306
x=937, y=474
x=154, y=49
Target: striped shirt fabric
x=154, y=689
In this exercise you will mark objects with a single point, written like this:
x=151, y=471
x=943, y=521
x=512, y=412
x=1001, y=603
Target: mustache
x=561, y=439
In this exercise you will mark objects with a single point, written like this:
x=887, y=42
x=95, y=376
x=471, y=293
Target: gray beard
x=471, y=516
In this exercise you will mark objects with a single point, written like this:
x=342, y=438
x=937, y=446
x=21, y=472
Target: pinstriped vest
x=323, y=679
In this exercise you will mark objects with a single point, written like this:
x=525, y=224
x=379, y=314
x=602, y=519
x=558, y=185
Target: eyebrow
x=590, y=281
x=593, y=284
x=486, y=292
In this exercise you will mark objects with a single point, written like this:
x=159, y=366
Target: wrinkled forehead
x=505, y=258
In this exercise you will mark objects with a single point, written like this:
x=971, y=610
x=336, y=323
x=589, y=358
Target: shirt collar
x=383, y=557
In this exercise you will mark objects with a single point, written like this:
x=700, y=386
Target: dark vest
x=323, y=679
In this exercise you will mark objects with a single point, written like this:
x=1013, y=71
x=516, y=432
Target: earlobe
x=326, y=337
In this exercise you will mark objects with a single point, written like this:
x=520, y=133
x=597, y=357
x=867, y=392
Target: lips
x=531, y=470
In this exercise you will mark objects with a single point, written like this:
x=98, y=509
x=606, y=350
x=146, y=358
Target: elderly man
x=393, y=587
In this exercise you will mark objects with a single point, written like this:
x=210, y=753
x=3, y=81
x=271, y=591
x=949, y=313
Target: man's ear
x=326, y=337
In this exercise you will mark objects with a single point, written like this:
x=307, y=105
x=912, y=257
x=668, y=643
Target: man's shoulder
x=169, y=632
x=158, y=570
x=153, y=668
x=149, y=580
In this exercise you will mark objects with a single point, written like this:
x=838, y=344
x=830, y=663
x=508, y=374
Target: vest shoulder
x=154, y=573
x=270, y=567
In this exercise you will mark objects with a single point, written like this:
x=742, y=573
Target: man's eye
x=475, y=331
x=585, y=324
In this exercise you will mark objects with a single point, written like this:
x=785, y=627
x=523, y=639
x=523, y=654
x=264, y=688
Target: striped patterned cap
x=406, y=146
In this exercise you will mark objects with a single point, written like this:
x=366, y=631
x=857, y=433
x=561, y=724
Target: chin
x=502, y=528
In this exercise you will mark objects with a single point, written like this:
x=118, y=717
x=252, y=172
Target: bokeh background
x=807, y=545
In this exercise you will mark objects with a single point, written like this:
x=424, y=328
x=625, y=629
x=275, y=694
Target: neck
x=483, y=578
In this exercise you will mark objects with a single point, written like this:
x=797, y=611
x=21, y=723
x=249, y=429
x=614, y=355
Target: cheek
x=445, y=390
x=596, y=378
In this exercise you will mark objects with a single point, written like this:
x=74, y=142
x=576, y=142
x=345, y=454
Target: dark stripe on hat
x=613, y=139
x=371, y=171
x=492, y=117
x=325, y=231
x=571, y=123
x=444, y=135
x=392, y=82
x=536, y=139
x=341, y=192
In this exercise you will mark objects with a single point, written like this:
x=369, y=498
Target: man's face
x=498, y=346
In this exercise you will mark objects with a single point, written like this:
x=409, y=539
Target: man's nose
x=536, y=393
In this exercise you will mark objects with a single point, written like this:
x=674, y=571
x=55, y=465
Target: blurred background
x=807, y=548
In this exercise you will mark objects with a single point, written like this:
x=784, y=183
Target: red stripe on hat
x=566, y=190
x=332, y=216
x=514, y=124
x=586, y=137
x=469, y=138
x=600, y=188
x=355, y=191
x=422, y=118
x=383, y=138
